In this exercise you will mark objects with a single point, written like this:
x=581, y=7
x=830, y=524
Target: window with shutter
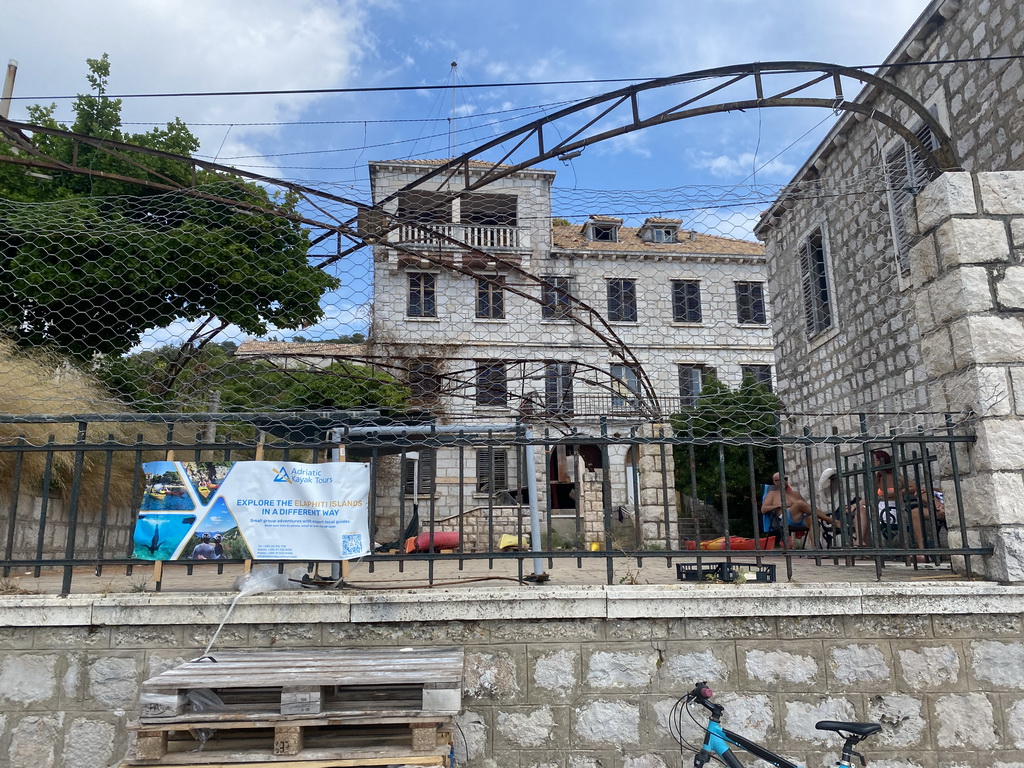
x=423, y=475
x=491, y=470
x=814, y=282
x=907, y=171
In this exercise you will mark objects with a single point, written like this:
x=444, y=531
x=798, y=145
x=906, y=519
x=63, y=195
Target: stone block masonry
x=567, y=676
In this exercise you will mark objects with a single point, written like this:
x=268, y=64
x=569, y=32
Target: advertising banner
x=253, y=509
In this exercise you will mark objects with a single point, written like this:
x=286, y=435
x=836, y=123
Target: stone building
x=896, y=284
x=568, y=328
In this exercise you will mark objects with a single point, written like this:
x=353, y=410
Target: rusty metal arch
x=943, y=157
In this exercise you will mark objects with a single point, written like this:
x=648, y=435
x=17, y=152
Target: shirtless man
x=799, y=510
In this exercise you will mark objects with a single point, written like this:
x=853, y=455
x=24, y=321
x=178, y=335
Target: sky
x=326, y=140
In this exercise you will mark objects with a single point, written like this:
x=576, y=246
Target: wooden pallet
x=301, y=738
x=350, y=680
x=340, y=704
x=440, y=761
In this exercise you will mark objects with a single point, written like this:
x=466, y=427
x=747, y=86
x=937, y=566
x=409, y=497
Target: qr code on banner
x=351, y=544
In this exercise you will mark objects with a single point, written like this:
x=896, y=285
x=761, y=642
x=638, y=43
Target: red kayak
x=442, y=540
x=735, y=542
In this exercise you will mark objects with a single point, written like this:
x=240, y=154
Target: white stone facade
x=648, y=334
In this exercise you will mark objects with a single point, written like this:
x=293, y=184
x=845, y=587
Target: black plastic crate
x=725, y=572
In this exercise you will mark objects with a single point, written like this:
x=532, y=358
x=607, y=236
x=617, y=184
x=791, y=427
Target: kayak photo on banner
x=253, y=509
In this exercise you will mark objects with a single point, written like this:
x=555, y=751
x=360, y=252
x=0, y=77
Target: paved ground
x=411, y=575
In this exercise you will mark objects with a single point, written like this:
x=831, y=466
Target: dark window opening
x=424, y=381
x=814, y=280
x=604, y=233
x=422, y=295
x=691, y=381
x=622, y=301
x=418, y=206
x=759, y=374
x=489, y=210
x=491, y=384
x=686, y=301
x=750, y=304
x=555, y=298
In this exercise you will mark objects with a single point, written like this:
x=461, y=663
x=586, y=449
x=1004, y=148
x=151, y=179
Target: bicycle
x=718, y=740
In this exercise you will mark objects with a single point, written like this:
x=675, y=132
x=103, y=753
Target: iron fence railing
x=73, y=485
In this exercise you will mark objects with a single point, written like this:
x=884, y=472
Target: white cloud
x=173, y=46
x=744, y=164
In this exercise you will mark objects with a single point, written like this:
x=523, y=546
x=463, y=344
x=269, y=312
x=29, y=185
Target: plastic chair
x=771, y=524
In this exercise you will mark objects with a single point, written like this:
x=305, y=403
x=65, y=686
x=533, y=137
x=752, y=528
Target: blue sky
x=174, y=46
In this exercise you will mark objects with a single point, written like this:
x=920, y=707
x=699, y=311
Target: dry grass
x=33, y=383
x=9, y=586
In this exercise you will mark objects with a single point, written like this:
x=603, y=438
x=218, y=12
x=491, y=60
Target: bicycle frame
x=717, y=740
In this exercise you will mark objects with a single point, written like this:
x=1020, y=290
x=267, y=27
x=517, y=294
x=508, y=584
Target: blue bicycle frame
x=718, y=740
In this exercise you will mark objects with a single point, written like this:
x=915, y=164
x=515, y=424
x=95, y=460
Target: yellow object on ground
x=511, y=541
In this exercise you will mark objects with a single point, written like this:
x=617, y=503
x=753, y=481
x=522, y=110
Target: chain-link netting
x=537, y=302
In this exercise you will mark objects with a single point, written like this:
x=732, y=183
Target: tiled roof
x=433, y=163
x=654, y=221
x=568, y=237
x=299, y=349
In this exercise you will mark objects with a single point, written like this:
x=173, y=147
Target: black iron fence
x=72, y=488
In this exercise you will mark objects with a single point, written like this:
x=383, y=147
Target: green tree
x=739, y=422
x=105, y=259
x=143, y=381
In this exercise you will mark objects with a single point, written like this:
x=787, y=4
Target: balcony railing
x=474, y=235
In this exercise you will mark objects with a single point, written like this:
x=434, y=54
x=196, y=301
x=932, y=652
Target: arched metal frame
x=457, y=174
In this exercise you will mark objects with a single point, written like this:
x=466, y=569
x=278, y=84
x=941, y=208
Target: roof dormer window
x=660, y=231
x=603, y=229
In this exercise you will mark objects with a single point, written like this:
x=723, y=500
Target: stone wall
x=573, y=677
x=971, y=313
x=113, y=539
x=870, y=359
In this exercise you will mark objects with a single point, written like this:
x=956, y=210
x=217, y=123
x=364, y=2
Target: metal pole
x=5, y=99
x=531, y=487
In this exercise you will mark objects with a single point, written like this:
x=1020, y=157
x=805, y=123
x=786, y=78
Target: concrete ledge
x=479, y=604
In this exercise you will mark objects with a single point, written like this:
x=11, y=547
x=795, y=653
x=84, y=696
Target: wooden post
x=260, y=442
x=158, y=565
